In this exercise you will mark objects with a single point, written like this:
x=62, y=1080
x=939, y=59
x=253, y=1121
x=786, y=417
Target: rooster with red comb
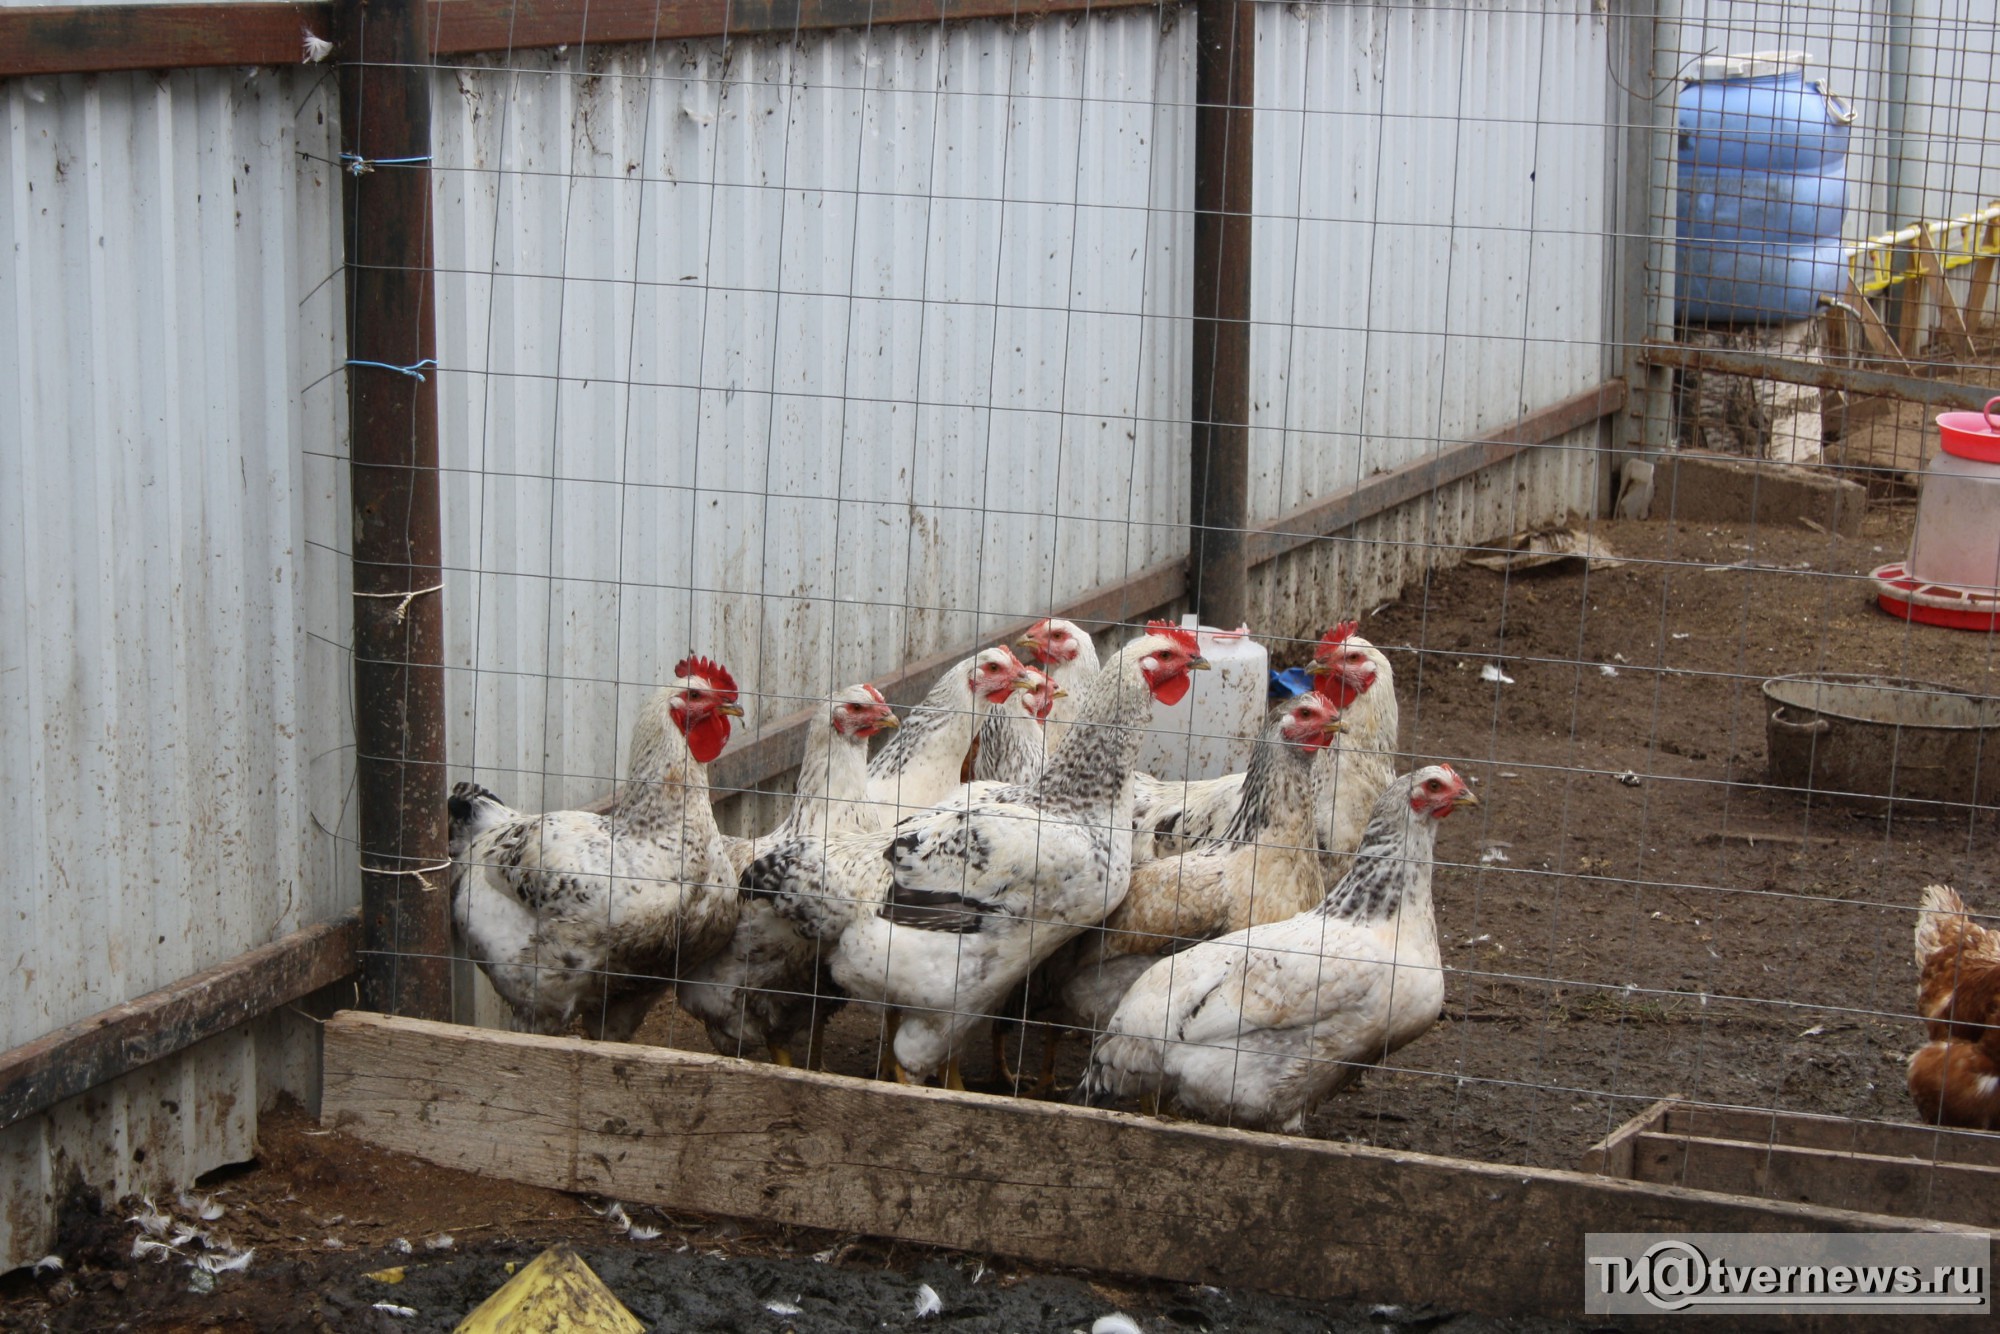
x=578, y=915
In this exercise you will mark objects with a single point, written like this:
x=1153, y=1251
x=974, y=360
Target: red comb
x=710, y=671
x=873, y=693
x=1178, y=633
x=1339, y=634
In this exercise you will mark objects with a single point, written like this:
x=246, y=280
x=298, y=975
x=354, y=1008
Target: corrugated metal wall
x=169, y=725
x=1430, y=264
x=816, y=357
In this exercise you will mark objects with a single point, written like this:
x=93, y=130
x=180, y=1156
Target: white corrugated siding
x=1429, y=265
x=168, y=728
x=813, y=356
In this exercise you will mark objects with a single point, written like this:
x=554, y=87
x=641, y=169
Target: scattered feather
x=443, y=1241
x=783, y=1308
x=390, y=1308
x=1814, y=1031
x=823, y=1257
x=334, y=1244
x=203, y=1207
x=145, y=1248
x=637, y=1233
x=226, y=1264
x=1606, y=669
x=317, y=48
x=1491, y=672
x=1630, y=778
x=1492, y=856
x=49, y=1264
x=150, y=1220
x=1683, y=634
x=928, y=1302
x=617, y=1217
x=1549, y=546
x=1115, y=1323
x=401, y=1246
x=183, y=1234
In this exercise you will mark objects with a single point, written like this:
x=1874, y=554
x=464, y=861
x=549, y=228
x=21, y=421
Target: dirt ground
x=1629, y=914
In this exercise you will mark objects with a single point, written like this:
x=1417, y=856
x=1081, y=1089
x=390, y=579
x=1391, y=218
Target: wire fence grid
x=827, y=353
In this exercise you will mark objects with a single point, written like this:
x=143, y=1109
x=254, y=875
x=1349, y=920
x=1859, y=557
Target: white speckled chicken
x=762, y=990
x=1256, y=1028
x=1066, y=653
x=983, y=887
x=578, y=915
x=1012, y=746
x=1266, y=867
x=926, y=759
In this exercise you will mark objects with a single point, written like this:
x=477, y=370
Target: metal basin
x=1867, y=740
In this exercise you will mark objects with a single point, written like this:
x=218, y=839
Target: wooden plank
x=1039, y=1181
x=1910, y=304
x=1612, y=1155
x=1805, y=1131
x=1951, y=320
x=71, y=39
x=1326, y=515
x=113, y=1042
x=1873, y=331
x=1876, y=1183
x=462, y=27
x=1943, y=394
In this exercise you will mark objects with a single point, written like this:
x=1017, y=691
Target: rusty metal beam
x=1942, y=394
x=1341, y=510
x=76, y=39
x=117, y=1041
x=1219, y=460
x=385, y=118
x=462, y=27
x=83, y=39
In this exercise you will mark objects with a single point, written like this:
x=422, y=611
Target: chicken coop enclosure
x=404, y=395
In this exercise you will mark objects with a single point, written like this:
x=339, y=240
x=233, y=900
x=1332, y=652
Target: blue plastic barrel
x=1763, y=190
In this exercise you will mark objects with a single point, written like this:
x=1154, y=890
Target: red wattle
x=707, y=737
x=1335, y=688
x=1173, y=689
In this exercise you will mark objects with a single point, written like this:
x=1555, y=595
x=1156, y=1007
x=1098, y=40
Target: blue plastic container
x=1763, y=191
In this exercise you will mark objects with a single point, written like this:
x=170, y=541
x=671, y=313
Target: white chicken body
x=1257, y=1027
x=985, y=886
x=574, y=914
x=758, y=992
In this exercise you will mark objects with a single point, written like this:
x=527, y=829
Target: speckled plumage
x=768, y=983
x=578, y=915
x=1257, y=1027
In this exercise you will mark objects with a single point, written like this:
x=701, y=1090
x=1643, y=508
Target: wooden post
x=385, y=131
x=1219, y=465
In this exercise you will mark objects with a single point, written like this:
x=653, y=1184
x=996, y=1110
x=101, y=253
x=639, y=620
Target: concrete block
x=1720, y=489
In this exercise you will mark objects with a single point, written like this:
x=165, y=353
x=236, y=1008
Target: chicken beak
x=1025, y=685
x=1197, y=664
x=888, y=722
x=1027, y=646
x=1060, y=693
x=1467, y=798
x=730, y=710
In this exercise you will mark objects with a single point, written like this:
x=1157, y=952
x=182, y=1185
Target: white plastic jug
x=1214, y=727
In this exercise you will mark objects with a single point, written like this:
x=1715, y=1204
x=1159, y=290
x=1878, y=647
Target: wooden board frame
x=1037, y=1181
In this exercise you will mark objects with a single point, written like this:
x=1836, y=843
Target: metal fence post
x=1219, y=462
x=1645, y=246
x=385, y=128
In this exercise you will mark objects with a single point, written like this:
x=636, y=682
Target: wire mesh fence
x=777, y=364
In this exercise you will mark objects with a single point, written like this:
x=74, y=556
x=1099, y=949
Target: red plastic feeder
x=1952, y=577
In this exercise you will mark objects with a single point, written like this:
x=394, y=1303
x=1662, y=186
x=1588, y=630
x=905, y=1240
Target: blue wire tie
x=360, y=165
x=414, y=370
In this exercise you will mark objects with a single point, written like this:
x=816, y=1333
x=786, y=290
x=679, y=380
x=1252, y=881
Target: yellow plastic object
x=555, y=1294
x=387, y=1275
